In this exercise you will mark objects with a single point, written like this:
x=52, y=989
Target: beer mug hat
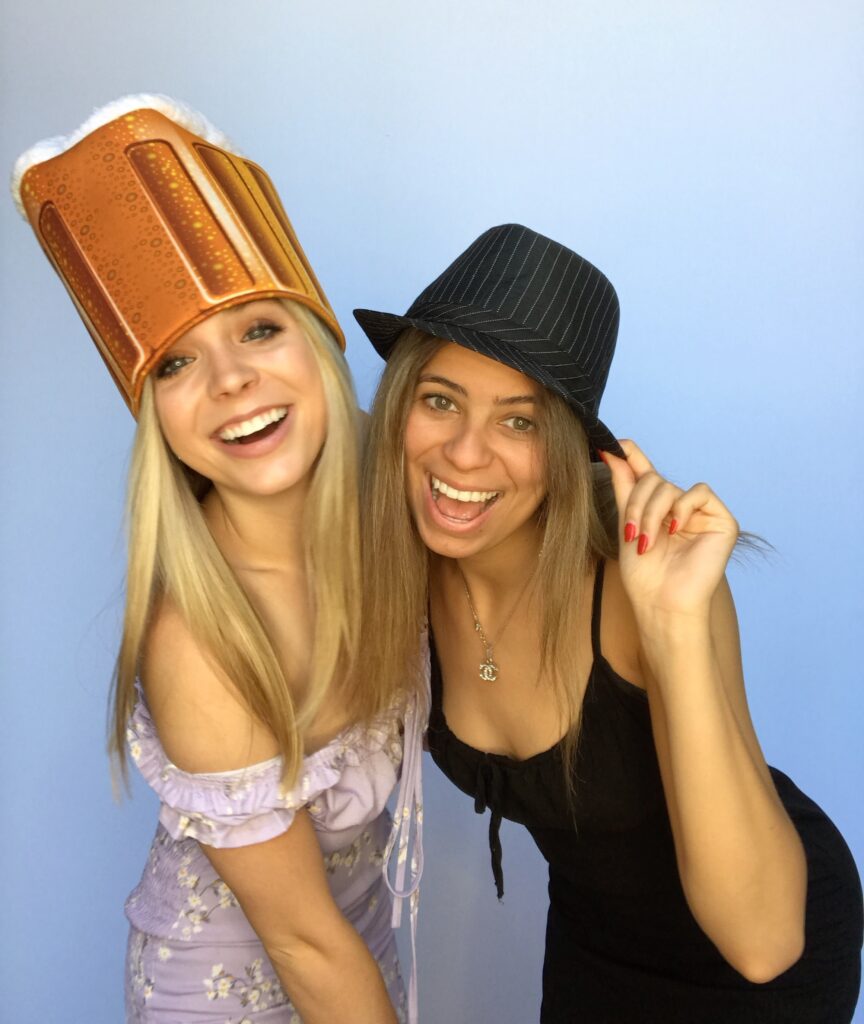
x=153, y=221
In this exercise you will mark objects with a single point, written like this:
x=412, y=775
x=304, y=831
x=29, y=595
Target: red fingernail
x=673, y=526
x=629, y=532
x=642, y=546
x=601, y=455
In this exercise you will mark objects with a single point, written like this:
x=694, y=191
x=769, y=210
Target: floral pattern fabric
x=192, y=955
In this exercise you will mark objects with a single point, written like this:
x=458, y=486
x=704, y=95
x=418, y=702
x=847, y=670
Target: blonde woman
x=235, y=687
x=585, y=666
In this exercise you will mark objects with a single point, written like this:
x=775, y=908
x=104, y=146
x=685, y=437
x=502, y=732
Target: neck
x=493, y=575
x=258, y=533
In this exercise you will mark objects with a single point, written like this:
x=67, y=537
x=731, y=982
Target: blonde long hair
x=578, y=516
x=171, y=553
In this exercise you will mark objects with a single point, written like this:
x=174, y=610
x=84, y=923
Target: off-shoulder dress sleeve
x=223, y=809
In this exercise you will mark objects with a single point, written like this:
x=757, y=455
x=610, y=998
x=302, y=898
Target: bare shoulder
x=619, y=635
x=202, y=722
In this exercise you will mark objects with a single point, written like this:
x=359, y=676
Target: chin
x=439, y=542
x=266, y=486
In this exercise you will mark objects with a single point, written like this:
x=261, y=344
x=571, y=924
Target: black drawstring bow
x=488, y=793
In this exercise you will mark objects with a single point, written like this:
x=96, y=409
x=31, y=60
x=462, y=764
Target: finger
x=649, y=501
x=698, y=509
x=636, y=458
x=656, y=508
x=623, y=482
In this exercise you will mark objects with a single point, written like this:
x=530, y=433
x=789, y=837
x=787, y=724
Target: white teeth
x=252, y=426
x=451, y=492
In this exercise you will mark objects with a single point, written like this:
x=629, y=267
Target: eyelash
x=524, y=419
x=264, y=325
x=430, y=401
x=172, y=365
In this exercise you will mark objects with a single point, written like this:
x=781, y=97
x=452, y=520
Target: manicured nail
x=673, y=526
x=642, y=546
x=629, y=532
x=601, y=456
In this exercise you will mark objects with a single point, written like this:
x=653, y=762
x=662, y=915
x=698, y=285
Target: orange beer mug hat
x=153, y=222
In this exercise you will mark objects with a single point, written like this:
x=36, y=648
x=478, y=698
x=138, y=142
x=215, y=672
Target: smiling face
x=474, y=463
x=240, y=399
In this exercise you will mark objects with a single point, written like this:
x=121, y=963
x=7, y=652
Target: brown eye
x=439, y=403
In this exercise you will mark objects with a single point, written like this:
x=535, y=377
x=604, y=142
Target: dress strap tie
x=407, y=831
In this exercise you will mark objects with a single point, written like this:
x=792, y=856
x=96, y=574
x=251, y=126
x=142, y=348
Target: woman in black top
x=585, y=666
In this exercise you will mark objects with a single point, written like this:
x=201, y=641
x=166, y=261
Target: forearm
x=741, y=863
x=323, y=965
x=334, y=981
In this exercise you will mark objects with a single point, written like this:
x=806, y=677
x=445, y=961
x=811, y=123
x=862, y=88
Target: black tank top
x=620, y=931
x=617, y=784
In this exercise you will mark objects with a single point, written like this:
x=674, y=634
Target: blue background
x=708, y=156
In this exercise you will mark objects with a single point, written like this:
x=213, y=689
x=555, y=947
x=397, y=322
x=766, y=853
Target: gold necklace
x=488, y=668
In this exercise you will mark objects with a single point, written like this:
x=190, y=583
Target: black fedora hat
x=526, y=301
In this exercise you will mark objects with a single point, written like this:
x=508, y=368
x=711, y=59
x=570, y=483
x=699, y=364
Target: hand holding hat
x=674, y=544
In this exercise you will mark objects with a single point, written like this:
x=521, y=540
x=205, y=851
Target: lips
x=465, y=496
x=253, y=427
x=458, y=505
x=246, y=438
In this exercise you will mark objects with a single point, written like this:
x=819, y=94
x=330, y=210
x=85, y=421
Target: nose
x=230, y=372
x=468, y=448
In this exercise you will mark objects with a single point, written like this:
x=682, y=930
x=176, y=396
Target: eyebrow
x=244, y=306
x=428, y=378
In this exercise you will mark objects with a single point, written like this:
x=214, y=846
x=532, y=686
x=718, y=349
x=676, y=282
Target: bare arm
x=322, y=963
x=740, y=859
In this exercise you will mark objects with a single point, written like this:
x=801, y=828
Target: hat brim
x=383, y=330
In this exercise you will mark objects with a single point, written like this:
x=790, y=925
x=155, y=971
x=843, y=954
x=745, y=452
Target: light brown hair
x=578, y=517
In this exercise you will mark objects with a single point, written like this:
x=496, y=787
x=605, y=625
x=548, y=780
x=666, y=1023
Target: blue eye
x=171, y=365
x=262, y=330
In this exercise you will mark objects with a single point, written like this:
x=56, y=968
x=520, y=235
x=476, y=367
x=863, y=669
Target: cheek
x=298, y=369
x=296, y=362
x=412, y=443
x=424, y=433
x=174, y=419
x=538, y=471
x=532, y=477
x=315, y=418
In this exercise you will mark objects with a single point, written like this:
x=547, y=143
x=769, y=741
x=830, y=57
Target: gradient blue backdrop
x=708, y=156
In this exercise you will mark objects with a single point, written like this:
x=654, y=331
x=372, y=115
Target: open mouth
x=254, y=429
x=462, y=506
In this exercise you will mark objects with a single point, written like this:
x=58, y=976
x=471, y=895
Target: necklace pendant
x=488, y=670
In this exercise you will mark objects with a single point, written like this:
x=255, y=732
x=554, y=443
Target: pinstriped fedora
x=528, y=302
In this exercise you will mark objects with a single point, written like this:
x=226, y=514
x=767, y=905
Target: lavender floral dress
x=193, y=958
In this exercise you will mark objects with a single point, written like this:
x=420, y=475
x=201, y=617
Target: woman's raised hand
x=674, y=544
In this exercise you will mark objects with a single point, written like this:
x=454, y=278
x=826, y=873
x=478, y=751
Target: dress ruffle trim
x=248, y=805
